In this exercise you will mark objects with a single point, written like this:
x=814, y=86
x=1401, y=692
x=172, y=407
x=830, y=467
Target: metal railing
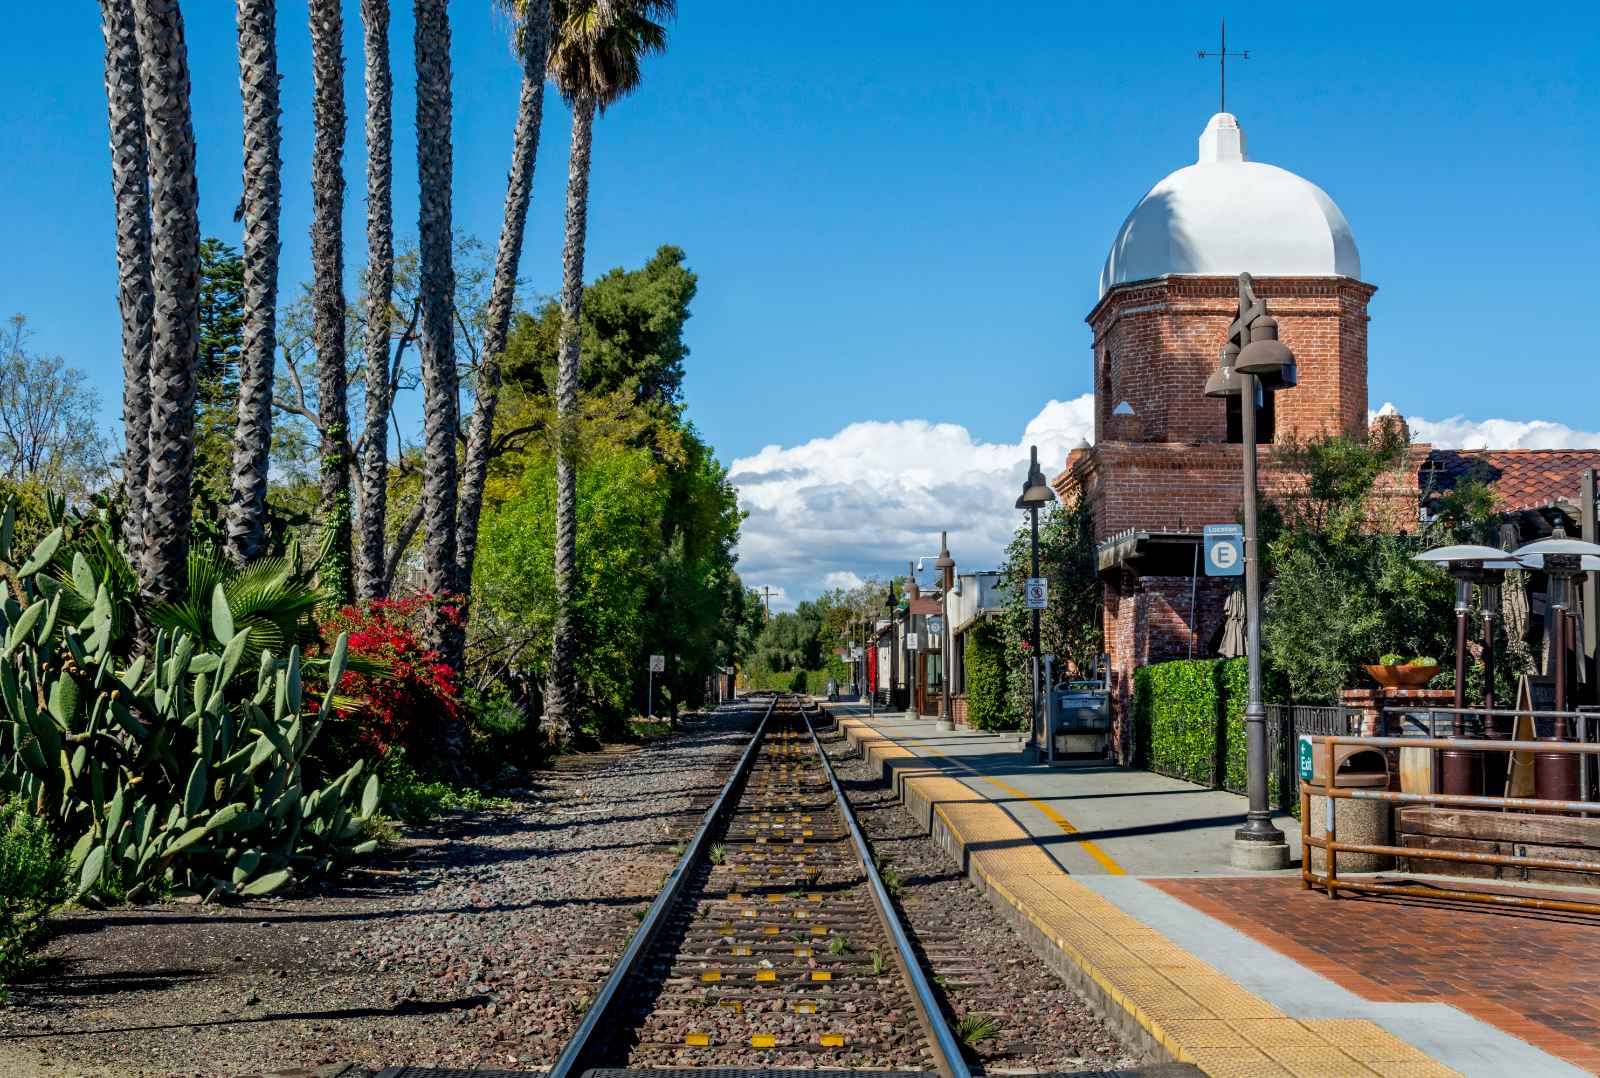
x=1330, y=881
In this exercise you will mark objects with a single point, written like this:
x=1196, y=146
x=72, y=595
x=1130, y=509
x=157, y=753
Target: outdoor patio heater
x=1556, y=774
x=1465, y=771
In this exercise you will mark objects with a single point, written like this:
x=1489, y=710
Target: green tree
x=1343, y=590
x=621, y=504
x=595, y=55
x=632, y=336
x=50, y=436
x=216, y=415
x=1070, y=627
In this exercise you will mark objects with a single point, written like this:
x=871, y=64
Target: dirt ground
x=473, y=943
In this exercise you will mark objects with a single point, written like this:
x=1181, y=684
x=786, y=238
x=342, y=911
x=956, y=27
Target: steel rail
x=947, y=1053
x=566, y=1065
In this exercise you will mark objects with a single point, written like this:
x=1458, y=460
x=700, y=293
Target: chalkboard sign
x=1536, y=693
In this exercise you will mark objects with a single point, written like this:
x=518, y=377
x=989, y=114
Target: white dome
x=1225, y=215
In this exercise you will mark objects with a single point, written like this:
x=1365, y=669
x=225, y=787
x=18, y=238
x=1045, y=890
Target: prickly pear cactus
x=169, y=768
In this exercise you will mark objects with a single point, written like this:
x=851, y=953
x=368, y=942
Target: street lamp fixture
x=947, y=569
x=1036, y=494
x=1263, y=362
x=1463, y=771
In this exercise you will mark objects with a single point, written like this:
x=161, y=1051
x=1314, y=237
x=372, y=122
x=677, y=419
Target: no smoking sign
x=1037, y=593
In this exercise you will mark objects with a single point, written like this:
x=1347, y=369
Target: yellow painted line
x=697, y=1040
x=1104, y=859
x=763, y=1040
x=833, y=1040
x=821, y=975
x=766, y=975
x=710, y=976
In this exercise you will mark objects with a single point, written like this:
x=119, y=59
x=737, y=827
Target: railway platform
x=1120, y=879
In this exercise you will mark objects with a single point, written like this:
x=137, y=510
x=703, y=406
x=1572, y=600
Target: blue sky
x=898, y=209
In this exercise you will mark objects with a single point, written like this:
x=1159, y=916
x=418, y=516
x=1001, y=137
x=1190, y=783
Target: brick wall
x=1156, y=342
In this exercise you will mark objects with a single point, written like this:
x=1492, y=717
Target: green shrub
x=987, y=700
x=414, y=797
x=33, y=881
x=797, y=683
x=1177, y=706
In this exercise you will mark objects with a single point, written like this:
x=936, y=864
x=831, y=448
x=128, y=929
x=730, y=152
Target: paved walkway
x=1121, y=879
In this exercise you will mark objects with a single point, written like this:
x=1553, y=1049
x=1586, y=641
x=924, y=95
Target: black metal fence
x=1285, y=724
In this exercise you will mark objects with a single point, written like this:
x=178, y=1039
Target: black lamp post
x=1260, y=361
x=1036, y=494
x=947, y=569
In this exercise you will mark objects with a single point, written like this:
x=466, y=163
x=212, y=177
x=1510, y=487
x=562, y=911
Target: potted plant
x=1395, y=671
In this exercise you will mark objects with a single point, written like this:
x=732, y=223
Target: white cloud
x=832, y=511
x=841, y=579
x=1458, y=432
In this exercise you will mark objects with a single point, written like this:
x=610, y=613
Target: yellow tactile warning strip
x=1189, y=1008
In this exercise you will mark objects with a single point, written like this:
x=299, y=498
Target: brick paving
x=1530, y=973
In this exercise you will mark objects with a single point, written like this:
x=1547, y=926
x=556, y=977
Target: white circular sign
x=1224, y=555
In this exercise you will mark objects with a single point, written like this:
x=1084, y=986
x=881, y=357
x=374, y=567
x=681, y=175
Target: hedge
x=1180, y=709
x=986, y=681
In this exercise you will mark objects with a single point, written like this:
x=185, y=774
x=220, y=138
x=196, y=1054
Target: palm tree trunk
x=380, y=291
x=130, y=186
x=561, y=706
x=263, y=161
x=519, y=191
x=437, y=286
x=327, y=267
x=175, y=279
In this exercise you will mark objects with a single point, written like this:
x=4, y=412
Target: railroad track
x=774, y=942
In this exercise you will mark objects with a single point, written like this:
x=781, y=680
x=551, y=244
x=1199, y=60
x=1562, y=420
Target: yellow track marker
x=740, y=951
x=805, y=1008
x=710, y=976
x=774, y=898
x=732, y=1004
x=833, y=1040
x=697, y=1040
x=814, y=896
x=763, y=1040
x=819, y=930
x=766, y=975
x=802, y=952
x=821, y=975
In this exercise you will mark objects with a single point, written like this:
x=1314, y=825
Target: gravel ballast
x=477, y=943
x=981, y=965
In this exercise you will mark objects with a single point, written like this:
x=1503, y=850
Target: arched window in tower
x=1266, y=419
x=1105, y=398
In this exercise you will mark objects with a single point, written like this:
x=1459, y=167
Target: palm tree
x=175, y=280
x=327, y=267
x=533, y=29
x=437, y=286
x=380, y=291
x=594, y=62
x=130, y=185
x=252, y=444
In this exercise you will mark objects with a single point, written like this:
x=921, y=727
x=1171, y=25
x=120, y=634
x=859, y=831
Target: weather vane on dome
x=1222, y=66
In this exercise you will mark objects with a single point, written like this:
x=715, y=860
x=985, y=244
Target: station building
x=1166, y=459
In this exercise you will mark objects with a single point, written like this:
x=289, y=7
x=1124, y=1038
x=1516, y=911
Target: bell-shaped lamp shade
x=1224, y=382
x=1036, y=493
x=944, y=561
x=1265, y=355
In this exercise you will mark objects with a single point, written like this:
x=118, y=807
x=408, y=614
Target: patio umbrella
x=1230, y=635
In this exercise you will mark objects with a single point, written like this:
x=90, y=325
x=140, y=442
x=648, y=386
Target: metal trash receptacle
x=1080, y=718
x=1365, y=822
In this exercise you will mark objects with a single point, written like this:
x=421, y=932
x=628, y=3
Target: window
x=1266, y=419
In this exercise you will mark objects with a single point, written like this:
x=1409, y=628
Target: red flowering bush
x=397, y=692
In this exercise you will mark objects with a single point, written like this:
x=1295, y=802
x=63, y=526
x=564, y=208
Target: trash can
x=1364, y=822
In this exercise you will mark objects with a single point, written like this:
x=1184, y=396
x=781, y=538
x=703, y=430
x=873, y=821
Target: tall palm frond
x=267, y=600
x=598, y=45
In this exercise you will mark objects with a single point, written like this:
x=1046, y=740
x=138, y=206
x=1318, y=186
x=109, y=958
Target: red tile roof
x=1521, y=478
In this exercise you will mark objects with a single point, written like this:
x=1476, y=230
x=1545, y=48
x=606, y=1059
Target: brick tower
x=1166, y=458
